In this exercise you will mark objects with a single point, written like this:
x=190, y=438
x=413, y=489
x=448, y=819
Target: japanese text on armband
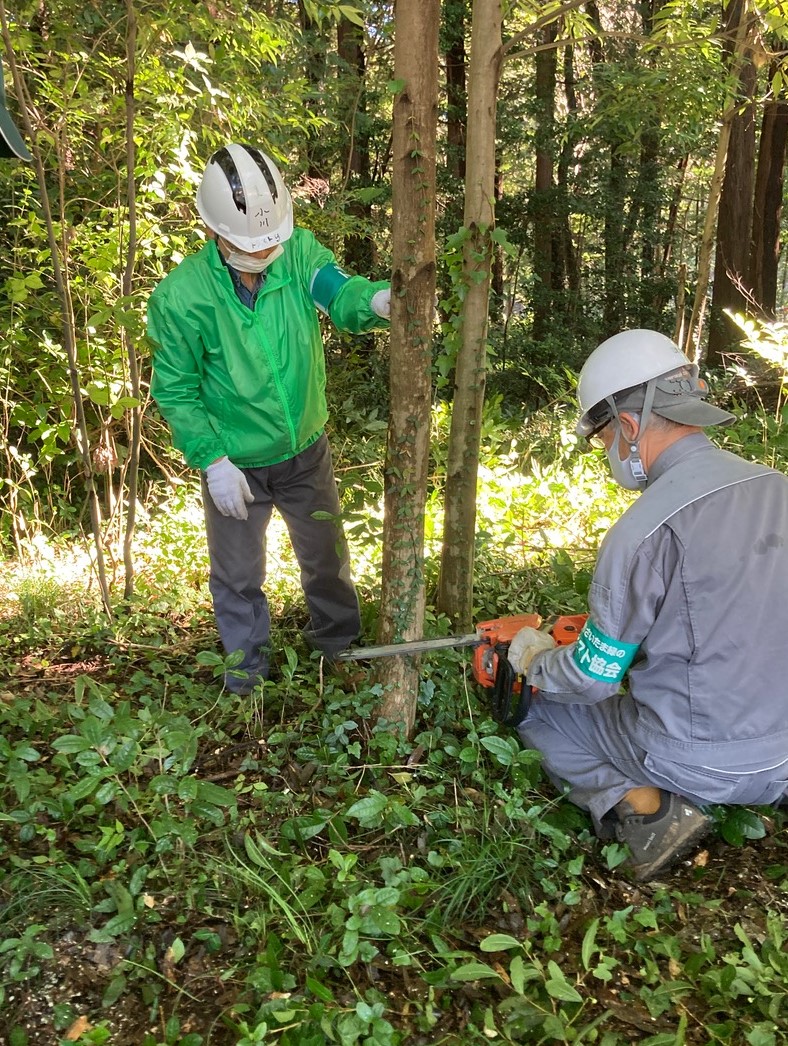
x=600, y=657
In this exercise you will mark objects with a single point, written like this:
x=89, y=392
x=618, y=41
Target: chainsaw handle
x=505, y=689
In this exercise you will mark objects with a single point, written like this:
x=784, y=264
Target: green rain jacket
x=250, y=384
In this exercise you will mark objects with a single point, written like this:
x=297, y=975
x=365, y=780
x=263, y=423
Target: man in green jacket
x=239, y=375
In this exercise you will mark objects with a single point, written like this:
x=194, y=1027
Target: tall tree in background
x=543, y=214
x=413, y=291
x=359, y=249
x=767, y=206
x=455, y=596
x=734, y=222
x=453, y=39
x=646, y=211
x=740, y=24
x=315, y=71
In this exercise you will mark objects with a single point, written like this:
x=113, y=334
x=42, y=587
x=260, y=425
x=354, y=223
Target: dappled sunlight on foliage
x=285, y=861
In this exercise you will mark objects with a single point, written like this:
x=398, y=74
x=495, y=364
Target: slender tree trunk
x=615, y=198
x=649, y=194
x=315, y=70
x=58, y=252
x=544, y=197
x=132, y=472
x=738, y=57
x=413, y=291
x=615, y=282
x=453, y=32
x=734, y=224
x=455, y=596
x=570, y=270
x=767, y=207
x=359, y=248
x=669, y=232
x=497, y=272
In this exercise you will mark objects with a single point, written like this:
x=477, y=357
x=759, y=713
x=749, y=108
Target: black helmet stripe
x=227, y=164
x=266, y=171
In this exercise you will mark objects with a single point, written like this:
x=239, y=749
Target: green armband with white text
x=600, y=657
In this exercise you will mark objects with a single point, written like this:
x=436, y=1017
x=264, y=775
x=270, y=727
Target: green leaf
x=589, y=944
x=395, y=86
x=70, y=744
x=475, y=971
x=646, y=918
x=208, y=811
x=209, y=792
x=499, y=942
x=500, y=748
x=738, y=824
x=82, y=789
x=98, y=394
x=257, y=848
x=124, y=755
x=100, y=708
x=762, y=1035
x=114, y=990
x=352, y=14
x=106, y=793
x=209, y=658
x=558, y=987
x=187, y=789
x=520, y=974
x=367, y=811
x=319, y=990
x=615, y=854
x=26, y=753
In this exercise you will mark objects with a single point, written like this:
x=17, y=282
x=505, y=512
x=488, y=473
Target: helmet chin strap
x=634, y=460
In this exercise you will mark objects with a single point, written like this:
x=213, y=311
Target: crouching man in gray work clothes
x=688, y=602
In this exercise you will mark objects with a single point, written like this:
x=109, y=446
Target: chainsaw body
x=509, y=698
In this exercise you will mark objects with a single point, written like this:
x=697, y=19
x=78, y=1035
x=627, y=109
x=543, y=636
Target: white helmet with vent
x=243, y=199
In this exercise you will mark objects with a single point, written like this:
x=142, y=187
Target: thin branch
x=67, y=309
x=128, y=274
x=547, y=19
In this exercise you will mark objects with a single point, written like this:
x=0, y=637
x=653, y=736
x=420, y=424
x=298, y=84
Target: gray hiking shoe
x=657, y=843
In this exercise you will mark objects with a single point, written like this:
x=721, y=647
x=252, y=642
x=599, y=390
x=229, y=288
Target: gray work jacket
x=691, y=586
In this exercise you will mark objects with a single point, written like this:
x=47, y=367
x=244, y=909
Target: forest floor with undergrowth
x=184, y=867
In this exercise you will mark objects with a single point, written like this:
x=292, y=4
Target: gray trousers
x=590, y=749
x=297, y=488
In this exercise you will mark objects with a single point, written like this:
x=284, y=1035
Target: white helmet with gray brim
x=643, y=371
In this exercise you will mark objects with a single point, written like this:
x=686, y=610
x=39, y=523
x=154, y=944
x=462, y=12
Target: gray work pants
x=297, y=488
x=590, y=748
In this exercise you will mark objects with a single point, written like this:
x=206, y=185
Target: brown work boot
x=657, y=840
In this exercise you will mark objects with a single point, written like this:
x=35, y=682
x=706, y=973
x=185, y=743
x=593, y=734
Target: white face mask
x=247, y=262
x=628, y=473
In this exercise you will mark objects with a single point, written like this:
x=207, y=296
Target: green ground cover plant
x=183, y=867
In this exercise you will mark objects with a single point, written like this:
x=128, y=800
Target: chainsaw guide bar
x=416, y=646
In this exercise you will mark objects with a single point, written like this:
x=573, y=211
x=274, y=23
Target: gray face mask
x=628, y=473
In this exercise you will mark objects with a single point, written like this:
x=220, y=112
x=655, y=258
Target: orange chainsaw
x=509, y=698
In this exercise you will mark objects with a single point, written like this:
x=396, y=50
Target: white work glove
x=228, y=488
x=381, y=303
x=525, y=645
